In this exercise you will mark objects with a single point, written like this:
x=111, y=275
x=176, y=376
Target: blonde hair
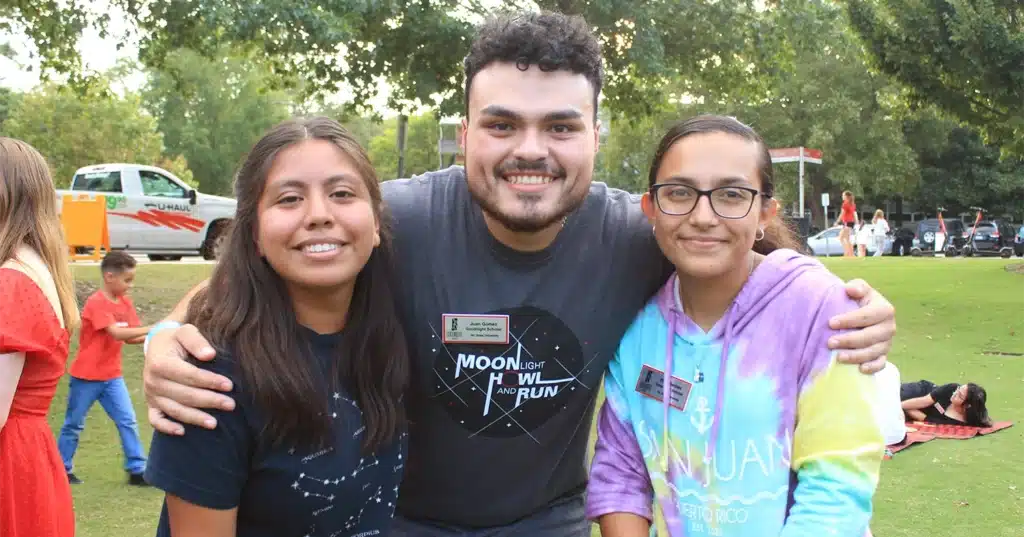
x=878, y=214
x=28, y=219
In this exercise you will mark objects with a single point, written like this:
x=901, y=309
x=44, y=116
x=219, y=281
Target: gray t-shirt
x=501, y=413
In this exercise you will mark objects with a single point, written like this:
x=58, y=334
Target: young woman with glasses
x=759, y=431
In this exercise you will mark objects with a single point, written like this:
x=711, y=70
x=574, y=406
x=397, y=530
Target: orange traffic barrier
x=84, y=219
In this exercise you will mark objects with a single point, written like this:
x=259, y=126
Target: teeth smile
x=316, y=248
x=528, y=179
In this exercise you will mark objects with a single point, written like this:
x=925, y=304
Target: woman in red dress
x=38, y=310
x=848, y=217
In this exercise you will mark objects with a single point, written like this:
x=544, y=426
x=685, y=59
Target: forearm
x=624, y=525
x=127, y=334
x=917, y=403
x=180, y=310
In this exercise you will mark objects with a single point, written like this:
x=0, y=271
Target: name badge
x=652, y=384
x=467, y=328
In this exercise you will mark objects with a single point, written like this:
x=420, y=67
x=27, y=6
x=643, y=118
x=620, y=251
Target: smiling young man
x=517, y=277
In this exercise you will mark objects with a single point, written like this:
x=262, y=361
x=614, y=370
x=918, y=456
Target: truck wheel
x=214, y=241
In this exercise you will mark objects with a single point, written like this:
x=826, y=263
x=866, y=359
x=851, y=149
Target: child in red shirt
x=108, y=322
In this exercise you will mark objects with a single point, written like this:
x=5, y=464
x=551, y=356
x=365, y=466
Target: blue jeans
x=565, y=518
x=113, y=397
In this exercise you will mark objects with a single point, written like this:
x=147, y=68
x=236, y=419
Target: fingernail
x=228, y=405
x=207, y=350
x=832, y=342
x=179, y=431
x=225, y=386
x=210, y=423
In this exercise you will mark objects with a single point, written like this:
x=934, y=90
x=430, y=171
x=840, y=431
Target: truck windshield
x=109, y=181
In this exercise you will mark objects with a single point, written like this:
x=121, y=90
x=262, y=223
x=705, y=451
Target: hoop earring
x=761, y=230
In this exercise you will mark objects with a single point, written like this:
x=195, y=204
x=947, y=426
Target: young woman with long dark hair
x=301, y=313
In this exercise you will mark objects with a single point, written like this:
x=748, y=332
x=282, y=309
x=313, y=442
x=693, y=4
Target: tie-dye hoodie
x=796, y=449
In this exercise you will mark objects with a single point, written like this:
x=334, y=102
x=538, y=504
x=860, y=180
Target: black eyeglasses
x=726, y=201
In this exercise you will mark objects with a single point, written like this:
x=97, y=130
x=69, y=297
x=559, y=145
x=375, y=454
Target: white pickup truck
x=150, y=211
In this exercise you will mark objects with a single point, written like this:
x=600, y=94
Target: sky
x=98, y=54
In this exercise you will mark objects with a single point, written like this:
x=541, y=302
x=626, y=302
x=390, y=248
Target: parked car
x=1018, y=243
x=990, y=237
x=902, y=241
x=151, y=211
x=827, y=243
x=924, y=237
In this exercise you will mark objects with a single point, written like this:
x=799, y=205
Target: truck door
x=171, y=213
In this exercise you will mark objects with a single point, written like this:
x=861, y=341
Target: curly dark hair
x=552, y=41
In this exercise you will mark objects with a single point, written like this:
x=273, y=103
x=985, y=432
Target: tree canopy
x=74, y=129
x=964, y=56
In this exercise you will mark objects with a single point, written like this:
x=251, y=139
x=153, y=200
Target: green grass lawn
x=950, y=313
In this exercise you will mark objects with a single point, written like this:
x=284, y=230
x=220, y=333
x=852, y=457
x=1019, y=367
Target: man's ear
x=597, y=136
x=462, y=134
x=647, y=205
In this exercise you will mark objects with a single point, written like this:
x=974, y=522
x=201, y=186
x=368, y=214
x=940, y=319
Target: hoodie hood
x=766, y=282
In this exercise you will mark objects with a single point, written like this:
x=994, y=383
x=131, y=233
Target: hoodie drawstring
x=667, y=393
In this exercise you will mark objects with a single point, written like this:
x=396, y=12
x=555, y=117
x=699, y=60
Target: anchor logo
x=705, y=423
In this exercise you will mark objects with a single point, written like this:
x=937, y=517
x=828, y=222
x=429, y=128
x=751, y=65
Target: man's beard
x=531, y=222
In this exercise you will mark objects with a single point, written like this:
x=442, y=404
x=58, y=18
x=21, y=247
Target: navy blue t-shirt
x=281, y=492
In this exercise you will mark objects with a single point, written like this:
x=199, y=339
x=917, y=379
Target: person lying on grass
x=950, y=404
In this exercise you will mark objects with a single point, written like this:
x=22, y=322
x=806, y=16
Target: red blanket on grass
x=920, y=432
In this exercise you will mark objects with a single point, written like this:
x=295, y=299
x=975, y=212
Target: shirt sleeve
x=943, y=395
x=133, y=315
x=208, y=468
x=100, y=313
x=837, y=444
x=619, y=481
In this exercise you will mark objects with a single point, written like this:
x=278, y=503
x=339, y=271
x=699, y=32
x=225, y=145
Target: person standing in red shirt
x=848, y=217
x=108, y=322
x=38, y=311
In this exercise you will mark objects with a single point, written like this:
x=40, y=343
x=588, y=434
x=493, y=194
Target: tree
x=964, y=56
x=74, y=129
x=416, y=47
x=420, y=147
x=960, y=171
x=821, y=96
x=213, y=111
x=8, y=101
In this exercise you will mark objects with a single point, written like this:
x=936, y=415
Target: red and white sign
x=792, y=154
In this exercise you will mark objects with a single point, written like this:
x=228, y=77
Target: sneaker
x=73, y=479
x=137, y=480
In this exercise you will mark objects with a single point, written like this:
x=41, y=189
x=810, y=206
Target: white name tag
x=651, y=383
x=467, y=328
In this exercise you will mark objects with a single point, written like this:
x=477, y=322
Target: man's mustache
x=526, y=166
